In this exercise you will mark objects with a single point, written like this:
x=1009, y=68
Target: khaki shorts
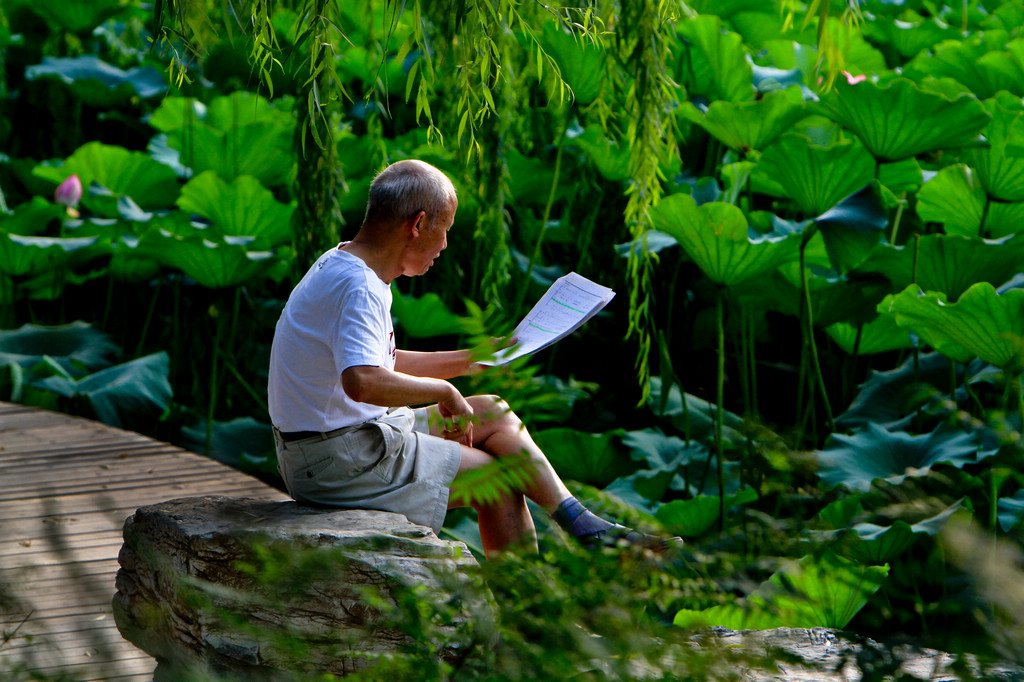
x=389, y=464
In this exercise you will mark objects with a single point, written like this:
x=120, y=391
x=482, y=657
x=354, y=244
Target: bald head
x=405, y=188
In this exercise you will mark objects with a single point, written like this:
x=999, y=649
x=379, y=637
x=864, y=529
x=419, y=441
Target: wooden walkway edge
x=66, y=487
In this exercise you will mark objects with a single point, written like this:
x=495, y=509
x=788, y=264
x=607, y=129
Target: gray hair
x=405, y=188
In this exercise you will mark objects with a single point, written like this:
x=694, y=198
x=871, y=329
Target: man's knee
x=493, y=409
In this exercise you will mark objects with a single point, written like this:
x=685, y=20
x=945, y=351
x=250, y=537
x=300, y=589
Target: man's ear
x=418, y=223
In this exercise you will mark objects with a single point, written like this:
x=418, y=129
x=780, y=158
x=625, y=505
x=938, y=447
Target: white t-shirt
x=338, y=316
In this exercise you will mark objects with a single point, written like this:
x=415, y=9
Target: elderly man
x=340, y=391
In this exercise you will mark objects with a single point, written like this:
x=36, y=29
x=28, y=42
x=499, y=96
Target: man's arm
x=388, y=388
x=437, y=364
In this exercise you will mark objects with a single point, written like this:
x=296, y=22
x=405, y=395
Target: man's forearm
x=437, y=364
x=387, y=388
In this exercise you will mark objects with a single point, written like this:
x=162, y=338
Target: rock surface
x=230, y=585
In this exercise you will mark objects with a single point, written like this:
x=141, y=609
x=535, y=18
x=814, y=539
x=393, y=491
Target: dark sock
x=577, y=520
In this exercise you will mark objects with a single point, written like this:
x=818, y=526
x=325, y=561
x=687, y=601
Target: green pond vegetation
x=811, y=213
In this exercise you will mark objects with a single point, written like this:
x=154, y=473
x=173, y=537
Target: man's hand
x=457, y=414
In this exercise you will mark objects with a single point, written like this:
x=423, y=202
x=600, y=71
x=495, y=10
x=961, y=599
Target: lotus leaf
x=901, y=176
x=611, y=159
x=358, y=62
x=138, y=387
x=909, y=38
x=954, y=197
x=759, y=27
x=852, y=229
x=1011, y=511
x=242, y=207
x=80, y=16
x=892, y=398
x=900, y=119
x=880, y=335
x=1004, y=219
x=875, y=453
x=716, y=236
x=580, y=62
x=882, y=544
x=239, y=134
x=1001, y=175
x=981, y=323
x=698, y=417
x=150, y=184
x=32, y=256
x=99, y=84
x=817, y=591
x=748, y=125
x=31, y=218
x=211, y=264
x=592, y=458
x=426, y=316
x=530, y=179
x=817, y=178
x=725, y=8
x=979, y=62
x=950, y=264
x=714, y=63
x=76, y=344
x=833, y=299
x=694, y=517
x=244, y=444
x=685, y=464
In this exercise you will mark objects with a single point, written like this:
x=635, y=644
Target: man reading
x=341, y=393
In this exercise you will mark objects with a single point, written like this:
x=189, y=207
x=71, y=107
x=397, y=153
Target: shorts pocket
x=367, y=448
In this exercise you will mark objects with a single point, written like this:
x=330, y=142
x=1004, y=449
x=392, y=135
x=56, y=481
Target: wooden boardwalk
x=66, y=487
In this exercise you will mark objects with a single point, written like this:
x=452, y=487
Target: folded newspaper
x=564, y=307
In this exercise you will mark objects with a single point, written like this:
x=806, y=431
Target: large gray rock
x=256, y=587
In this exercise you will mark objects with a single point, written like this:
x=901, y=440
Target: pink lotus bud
x=69, y=192
x=853, y=80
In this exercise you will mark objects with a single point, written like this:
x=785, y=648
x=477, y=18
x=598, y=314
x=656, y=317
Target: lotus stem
x=815, y=364
x=721, y=412
x=219, y=330
x=982, y=412
x=952, y=382
x=751, y=336
x=253, y=393
x=149, y=318
x=899, y=214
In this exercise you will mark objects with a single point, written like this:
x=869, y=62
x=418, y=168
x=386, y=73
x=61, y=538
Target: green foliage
x=99, y=84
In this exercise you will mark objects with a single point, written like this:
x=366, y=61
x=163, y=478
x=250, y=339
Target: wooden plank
x=66, y=487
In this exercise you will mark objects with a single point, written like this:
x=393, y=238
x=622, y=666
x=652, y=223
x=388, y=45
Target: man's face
x=428, y=245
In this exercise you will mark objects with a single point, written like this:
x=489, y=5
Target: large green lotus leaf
x=901, y=176
x=612, y=160
x=357, y=62
x=1004, y=219
x=696, y=416
x=76, y=16
x=716, y=236
x=817, y=178
x=714, y=62
x=32, y=256
x=211, y=264
x=981, y=323
x=243, y=443
x=853, y=228
x=138, y=387
x=150, y=184
x=530, y=179
x=725, y=8
x=874, y=453
x=979, y=62
x=748, y=125
x=880, y=335
x=909, y=37
x=694, y=517
x=99, y=84
x=1000, y=174
x=1011, y=511
x=883, y=544
x=592, y=458
x=955, y=198
x=900, y=119
x=239, y=134
x=426, y=316
x=833, y=299
x=70, y=345
x=581, y=63
x=684, y=465
x=31, y=217
x=947, y=263
x=242, y=207
x=823, y=590
x=892, y=398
